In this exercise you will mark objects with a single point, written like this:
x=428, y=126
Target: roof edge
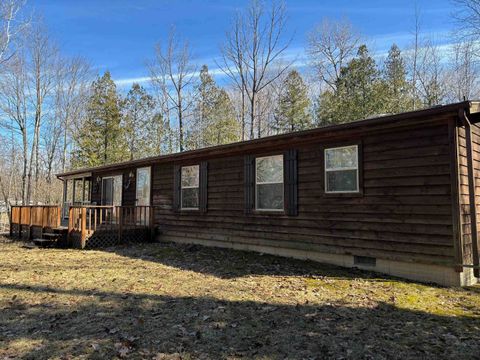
x=472, y=106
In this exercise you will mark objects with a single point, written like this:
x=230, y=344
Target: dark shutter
x=176, y=187
x=249, y=183
x=203, y=184
x=291, y=182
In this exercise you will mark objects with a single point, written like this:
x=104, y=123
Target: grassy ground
x=164, y=301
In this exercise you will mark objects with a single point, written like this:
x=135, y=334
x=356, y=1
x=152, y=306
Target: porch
x=76, y=191
x=85, y=226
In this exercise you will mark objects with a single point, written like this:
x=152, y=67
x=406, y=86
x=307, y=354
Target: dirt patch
x=166, y=301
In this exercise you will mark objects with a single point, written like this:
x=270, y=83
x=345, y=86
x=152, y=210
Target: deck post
x=84, y=226
x=59, y=216
x=120, y=224
x=65, y=190
x=11, y=223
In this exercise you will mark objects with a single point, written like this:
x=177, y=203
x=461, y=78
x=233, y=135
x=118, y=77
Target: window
x=341, y=169
x=189, y=187
x=269, y=183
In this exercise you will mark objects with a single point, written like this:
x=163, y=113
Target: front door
x=143, y=194
x=112, y=190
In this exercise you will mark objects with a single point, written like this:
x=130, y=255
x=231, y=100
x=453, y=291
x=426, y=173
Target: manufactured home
x=395, y=194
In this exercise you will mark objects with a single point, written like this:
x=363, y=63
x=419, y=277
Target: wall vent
x=364, y=260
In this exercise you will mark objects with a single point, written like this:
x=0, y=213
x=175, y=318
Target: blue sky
x=119, y=35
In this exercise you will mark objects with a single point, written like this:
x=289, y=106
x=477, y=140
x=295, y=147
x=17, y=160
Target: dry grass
x=164, y=301
x=4, y=222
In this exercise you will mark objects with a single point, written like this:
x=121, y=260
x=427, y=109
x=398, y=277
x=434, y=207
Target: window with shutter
x=190, y=187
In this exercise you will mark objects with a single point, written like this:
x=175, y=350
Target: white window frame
x=270, y=182
x=189, y=187
x=356, y=168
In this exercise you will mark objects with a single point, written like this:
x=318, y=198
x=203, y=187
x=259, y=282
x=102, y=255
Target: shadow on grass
x=146, y=324
x=230, y=263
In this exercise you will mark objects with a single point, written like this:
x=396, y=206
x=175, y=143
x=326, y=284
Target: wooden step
x=44, y=242
x=60, y=229
x=51, y=235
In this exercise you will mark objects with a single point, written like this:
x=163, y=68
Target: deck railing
x=113, y=222
x=24, y=218
x=83, y=221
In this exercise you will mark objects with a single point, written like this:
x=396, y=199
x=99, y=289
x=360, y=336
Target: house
x=394, y=194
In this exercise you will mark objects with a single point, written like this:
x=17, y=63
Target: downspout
x=471, y=193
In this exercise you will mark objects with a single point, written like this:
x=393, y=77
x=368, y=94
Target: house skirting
x=428, y=273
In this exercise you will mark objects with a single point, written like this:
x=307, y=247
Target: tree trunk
x=33, y=156
x=252, y=117
x=242, y=114
x=180, y=121
x=25, y=164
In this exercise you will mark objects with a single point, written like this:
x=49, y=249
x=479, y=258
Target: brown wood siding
x=404, y=212
x=464, y=192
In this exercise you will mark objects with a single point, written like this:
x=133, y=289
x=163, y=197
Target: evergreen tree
x=395, y=77
x=293, y=109
x=215, y=121
x=360, y=92
x=138, y=118
x=101, y=138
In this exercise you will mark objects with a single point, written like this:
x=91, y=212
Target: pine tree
x=360, y=92
x=293, y=109
x=395, y=77
x=215, y=121
x=101, y=138
x=138, y=118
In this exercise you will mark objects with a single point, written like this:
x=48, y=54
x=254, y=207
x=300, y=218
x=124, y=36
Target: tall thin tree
x=174, y=61
x=252, y=53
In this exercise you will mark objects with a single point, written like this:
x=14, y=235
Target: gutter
x=471, y=193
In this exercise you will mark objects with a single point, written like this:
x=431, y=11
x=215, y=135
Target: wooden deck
x=86, y=227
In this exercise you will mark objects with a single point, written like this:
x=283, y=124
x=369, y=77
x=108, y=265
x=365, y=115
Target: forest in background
x=56, y=114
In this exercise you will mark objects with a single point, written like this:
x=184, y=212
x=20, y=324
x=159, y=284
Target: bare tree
x=252, y=53
x=232, y=63
x=8, y=170
x=330, y=46
x=10, y=26
x=71, y=92
x=467, y=16
x=464, y=72
x=415, y=54
x=173, y=64
x=14, y=107
x=43, y=60
x=68, y=101
x=159, y=80
x=431, y=74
